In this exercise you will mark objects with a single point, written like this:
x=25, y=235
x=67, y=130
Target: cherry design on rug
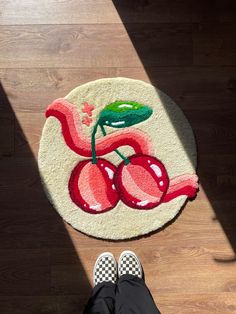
x=140, y=181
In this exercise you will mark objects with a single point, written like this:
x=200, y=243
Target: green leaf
x=121, y=114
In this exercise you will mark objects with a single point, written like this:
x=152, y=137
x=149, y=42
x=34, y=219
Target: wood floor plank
x=195, y=88
x=59, y=12
x=168, y=276
x=45, y=46
x=66, y=46
x=197, y=303
x=116, y=11
x=33, y=89
x=215, y=44
x=96, y=12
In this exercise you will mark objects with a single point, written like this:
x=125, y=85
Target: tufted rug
x=117, y=158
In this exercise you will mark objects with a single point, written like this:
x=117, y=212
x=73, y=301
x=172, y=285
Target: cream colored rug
x=117, y=158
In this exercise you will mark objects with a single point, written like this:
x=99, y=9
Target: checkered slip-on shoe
x=129, y=264
x=105, y=268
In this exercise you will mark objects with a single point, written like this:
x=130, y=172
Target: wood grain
x=106, y=11
x=68, y=45
x=59, y=12
x=96, y=12
x=199, y=303
x=194, y=88
x=187, y=49
x=33, y=89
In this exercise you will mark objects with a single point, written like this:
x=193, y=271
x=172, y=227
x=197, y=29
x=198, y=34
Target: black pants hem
x=129, y=295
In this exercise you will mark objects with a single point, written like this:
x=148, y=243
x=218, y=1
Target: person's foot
x=105, y=268
x=129, y=264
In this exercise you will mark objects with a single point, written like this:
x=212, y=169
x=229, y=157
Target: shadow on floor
x=40, y=269
x=171, y=40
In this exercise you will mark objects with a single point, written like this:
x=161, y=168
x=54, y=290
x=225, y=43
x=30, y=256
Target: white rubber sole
x=98, y=260
x=127, y=252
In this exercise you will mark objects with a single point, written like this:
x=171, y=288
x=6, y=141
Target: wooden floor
x=188, y=49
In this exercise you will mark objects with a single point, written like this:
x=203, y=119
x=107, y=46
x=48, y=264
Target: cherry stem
x=93, y=143
x=94, y=158
x=126, y=160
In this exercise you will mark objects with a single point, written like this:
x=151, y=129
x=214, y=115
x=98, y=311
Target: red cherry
x=91, y=186
x=143, y=182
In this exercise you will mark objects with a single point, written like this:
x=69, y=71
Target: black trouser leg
x=133, y=296
x=102, y=300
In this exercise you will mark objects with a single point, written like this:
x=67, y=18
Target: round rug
x=117, y=158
